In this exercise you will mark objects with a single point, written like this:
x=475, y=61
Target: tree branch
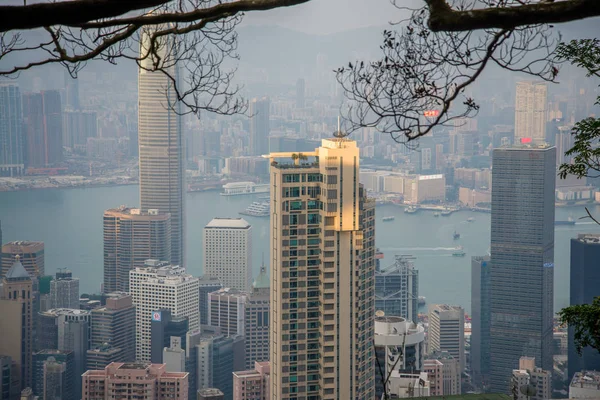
x=444, y=18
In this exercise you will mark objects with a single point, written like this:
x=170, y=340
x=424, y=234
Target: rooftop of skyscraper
x=229, y=223
x=586, y=379
x=228, y=292
x=590, y=238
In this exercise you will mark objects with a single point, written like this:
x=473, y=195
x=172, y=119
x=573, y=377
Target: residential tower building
x=531, y=109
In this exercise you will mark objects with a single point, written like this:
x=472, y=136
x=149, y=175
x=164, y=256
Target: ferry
x=456, y=235
x=411, y=210
x=243, y=188
x=446, y=213
x=569, y=221
x=470, y=219
x=258, y=209
x=436, y=214
x=458, y=252
x=389, y=218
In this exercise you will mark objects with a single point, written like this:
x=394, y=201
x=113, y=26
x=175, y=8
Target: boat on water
x=470, y=219
x=456, y=235
x=436, y=214
x=388, y=218
x=422, y=300
x=244, y=188
x=258, y=209
x=569, y=221
x=458, y=252
x=411, y=210
x=446, y=213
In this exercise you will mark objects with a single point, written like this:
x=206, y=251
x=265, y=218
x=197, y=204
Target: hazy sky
x=329, y=16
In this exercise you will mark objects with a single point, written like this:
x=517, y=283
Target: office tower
x=161, y=285
x=210, y=394
x=322, y=275
x=161, y=146
x=215, y=363
x=74, y=335
x=9, y=379
x=165, y=325
x=480, y=319
x=228, y=252
x=131, y=237
x=584, y=287
x=206, y=284
x=42, y=117
x=16, y=309
x=300, y=93
x=399, y=346
x=78, y=127
x=11, y=131
x=146, y=381
x=442, y=363
x=174, y=355
x=531, y=107
x=64, y=291
x=447, y=331
x=259, y=126
x=71, y=92
x=226, y=310
x=529, y=375
x=397, y=289
x=253, y=384
x=584, y=385
x=522, y=257
x=564, y=141
x=31, y=257
x=256, y=320
x=114, y=325
x=54, y=370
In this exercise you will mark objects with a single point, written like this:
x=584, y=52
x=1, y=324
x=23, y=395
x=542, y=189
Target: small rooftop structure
x=228, y=223
x=17, y=272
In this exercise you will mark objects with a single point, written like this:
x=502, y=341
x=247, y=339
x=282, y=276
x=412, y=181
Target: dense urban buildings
x=399, y=346
x=253, y=384
x=228, y=252
x=210, y=394
x=397, y=289
x=132, y=236
x=11, y=131
x=145, y=381
x=530, y=375
x=322, y=275
x=227, y=311
x=216, y=363
x=161, y=146
x=31, y=257
x=164, y=326
x=79, y=126
x=64, y=290
x=585, y=385
x=74, y=334
x=585, y=286
x=161, y=285
x=54, y=374
x=522, y=257
x=16, y=322
x=446, y=331
x=531, y=109
x=444, y=373
x=259, y=127
x=480, y=319
x=43, y=128
x=256, y=320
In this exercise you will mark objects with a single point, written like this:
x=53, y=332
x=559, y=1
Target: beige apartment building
x=31, y=256
x=322, y=275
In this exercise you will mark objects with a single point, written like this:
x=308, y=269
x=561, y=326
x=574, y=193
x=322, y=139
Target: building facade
x=256, y=321
x=322, y=275
x=215, y=363
x=227, y=309
x=259, y=126
x=480, y=319
x=253, y=384
x=74, y=335
x=530, y=375
x=206, y=284
x=161, y=145
x=31, y=256
x=531, y=109
x=131, y=237
x=442, y=363
x=228, y=252
x=585, y=385
x=446, y=331
x=397, y=289
x=54, y=374
x=11, y=131
x=165, y=325
x=43, y=127
x=522, y=257
x=64, y=291
x=135, y=381
x=161, y=285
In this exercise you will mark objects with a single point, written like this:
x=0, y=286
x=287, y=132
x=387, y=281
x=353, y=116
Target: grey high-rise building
x=54, y=372
x=161, y=330
x=64, y=291
x=585, y=286
x=11, y=131
x=300, y=93
x=397, y=289
x=215, y=364
x=71, y=92
x=161, y=146
x=78, y=127
x=74, y=335
x=256, y=320
x=522, y=256
x=446, y=331
x=43, y=128
x=480, y=319
x=259, y=126
x=206, y=284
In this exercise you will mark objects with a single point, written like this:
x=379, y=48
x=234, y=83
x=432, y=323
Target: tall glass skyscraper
x=11, y=131
x=161, y=145
x=397, y=289
x=480, y=319
x=522, y=256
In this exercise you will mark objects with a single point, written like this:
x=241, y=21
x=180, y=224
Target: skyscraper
x=161, y=285
x=254, y=383
x=215, y=363
x=300, y=93
x=531, y=107
x=259, y=126
x=447, y=331
x=322, y=268
x=16, y=309
x=226, y=310
x=11, y=131
x=50, y=377
x=72, y=92
x=480, y=319
x=64, y=291
x=74, y=335
x=31, y=256
x=522, y=256
x=42, y=116
x=397, y=289
x=161, y=145
x=130, y=238
x=114, y=324
x=228, y=252
x=256, y=321
x=164, y=325
x=78, y=127
x=206, y=284
x=585, y=286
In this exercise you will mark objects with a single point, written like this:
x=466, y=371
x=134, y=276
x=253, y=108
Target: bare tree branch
x=444, y=18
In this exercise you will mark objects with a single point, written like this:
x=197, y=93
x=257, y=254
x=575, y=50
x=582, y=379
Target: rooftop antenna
x=339, y=134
